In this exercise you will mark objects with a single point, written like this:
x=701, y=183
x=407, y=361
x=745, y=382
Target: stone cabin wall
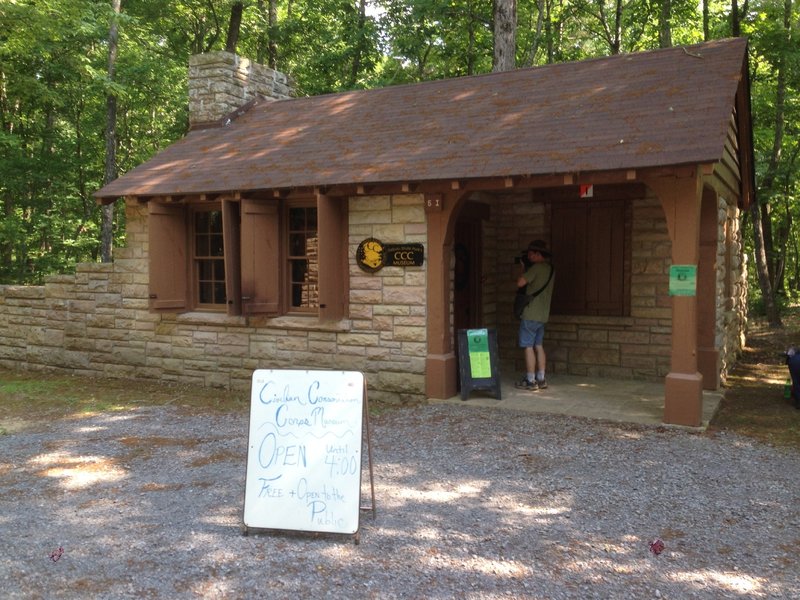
x=637, y=346
x=97, y=322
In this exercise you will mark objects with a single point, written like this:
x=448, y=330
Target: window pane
x=219, y=293
x=201, y=222
x=216, y=247
x=209, y=252
x=297, y=219
x=205, y=293
x=297, y=295
x=302, y=252
x=297, y=244
x=201, y=247
x=205, y=270
x=215, y=222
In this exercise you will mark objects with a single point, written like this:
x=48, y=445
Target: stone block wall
x=731, y=286
x=97, y=322
x=222, y=82
x=637, y=346
x=630, y=347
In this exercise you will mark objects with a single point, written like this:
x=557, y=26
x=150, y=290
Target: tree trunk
x=359, y=49
x=767, y=189
x=615, y=49
x=736, y=28
x=107, y=217
x=505, y=35
x=664, y=26
x=531, y=58
x=272, y=48
x=7, y=199
x=234, y=25
x=548, y=32
x=767, y=293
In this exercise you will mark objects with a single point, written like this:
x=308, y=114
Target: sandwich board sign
x=304, y=451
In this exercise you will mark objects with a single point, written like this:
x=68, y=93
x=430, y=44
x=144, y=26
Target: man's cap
x=540, y=246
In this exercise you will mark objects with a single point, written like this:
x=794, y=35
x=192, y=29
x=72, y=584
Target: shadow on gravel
x=471, y=503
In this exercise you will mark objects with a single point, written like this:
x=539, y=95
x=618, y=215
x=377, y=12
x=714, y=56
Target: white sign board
x=304, y=451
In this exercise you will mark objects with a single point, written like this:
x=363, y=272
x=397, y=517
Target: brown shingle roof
x=664, y=107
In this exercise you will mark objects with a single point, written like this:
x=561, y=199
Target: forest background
x=89, y=89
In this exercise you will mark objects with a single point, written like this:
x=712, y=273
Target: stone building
x=247, y=239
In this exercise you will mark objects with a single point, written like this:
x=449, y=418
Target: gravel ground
x=471, y=503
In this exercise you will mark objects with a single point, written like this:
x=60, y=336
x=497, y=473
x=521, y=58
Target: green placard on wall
x=478, y=346
x=683, y=280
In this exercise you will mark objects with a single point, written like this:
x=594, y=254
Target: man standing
x=538, y=281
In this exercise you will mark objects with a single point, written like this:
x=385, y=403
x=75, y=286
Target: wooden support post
x=680, y=198
x=440, y=363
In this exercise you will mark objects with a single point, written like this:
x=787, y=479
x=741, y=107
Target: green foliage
x=54, y=82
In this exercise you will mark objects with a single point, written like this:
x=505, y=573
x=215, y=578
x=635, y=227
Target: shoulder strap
x=546, y=283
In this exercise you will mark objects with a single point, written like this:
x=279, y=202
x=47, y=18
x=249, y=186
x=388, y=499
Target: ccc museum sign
x=372, y=255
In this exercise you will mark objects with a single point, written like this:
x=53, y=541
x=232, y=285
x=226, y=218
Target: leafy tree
x=57, y=86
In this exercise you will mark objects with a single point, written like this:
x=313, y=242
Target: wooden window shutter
x=333, y=272
x=605, y=283
x=168, y=248
x=590, y=241
x=568, y=239
x=231, y=236
x=260, y=257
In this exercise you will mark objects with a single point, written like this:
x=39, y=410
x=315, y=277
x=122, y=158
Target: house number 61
x=433, y=203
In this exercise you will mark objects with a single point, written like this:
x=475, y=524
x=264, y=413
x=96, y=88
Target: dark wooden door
x=467, y=266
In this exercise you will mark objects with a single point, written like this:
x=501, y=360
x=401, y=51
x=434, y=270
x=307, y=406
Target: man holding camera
x=537, y=280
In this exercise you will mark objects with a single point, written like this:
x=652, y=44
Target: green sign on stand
x=478, y=361
x=478, y=344
x=683, y=280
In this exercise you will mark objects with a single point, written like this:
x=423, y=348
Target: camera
x=522, y=259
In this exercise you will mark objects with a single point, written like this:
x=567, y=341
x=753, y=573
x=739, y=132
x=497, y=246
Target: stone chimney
x=221, y=82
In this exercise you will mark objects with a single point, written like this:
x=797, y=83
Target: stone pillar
x=222, y=82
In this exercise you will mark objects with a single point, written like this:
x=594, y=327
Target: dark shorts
x=531, y=333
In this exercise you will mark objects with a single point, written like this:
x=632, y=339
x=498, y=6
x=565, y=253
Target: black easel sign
x=304, y=451
x=478, y=361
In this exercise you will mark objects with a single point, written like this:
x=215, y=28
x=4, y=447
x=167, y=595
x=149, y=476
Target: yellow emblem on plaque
x=369, y=255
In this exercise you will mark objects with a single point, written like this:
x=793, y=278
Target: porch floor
x=606, y=399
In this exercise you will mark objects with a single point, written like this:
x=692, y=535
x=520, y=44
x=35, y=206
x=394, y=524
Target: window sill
x=210, y=318
x=293, y=322
x=301, y=323
x=592, y=319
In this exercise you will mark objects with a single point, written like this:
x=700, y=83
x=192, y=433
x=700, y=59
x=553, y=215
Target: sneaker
x=542, y=384
x=524, y=384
